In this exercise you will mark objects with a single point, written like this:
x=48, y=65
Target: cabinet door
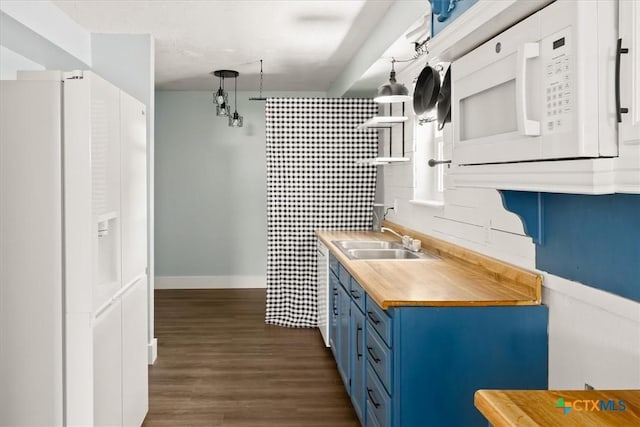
x=629, y=128
x=343, y=335
x=628, y=168
x=333, y=313
x=357, y=359
x=135, y=401
x=107, y=367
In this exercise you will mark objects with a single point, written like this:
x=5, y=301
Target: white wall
x=41, y=32
x=11, y=62
x=594, y=336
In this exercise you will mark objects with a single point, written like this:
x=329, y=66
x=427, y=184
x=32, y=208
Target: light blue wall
x=210, y=187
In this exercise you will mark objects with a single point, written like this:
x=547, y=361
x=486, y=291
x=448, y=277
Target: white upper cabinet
x=629, y=127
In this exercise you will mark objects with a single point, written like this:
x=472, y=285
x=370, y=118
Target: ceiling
x=305, y=44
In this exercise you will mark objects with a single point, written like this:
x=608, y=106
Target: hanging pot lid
x=425, y=94
x=444, y=100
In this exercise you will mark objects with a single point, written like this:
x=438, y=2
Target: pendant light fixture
x=392, y=91
x=260, y=98
x=235, y=119
x=221, y=97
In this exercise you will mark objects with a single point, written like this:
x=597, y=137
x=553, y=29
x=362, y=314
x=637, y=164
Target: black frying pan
x=444, y=100
x=425, y=95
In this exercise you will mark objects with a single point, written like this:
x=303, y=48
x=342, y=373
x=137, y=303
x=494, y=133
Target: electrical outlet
x=395, y=206
x=588, y=386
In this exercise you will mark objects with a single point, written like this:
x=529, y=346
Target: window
x=428, y=182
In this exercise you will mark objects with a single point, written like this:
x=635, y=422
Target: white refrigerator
x=73, y=259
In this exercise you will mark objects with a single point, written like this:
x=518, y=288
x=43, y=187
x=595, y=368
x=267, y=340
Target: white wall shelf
x=382, y=122
x=383, y=160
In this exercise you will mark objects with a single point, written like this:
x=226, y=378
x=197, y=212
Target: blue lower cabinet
x=344, y=306
x=378, y=401
x=414, y=366
x=371, y=421
x=380, y=358
x=441, y=355
x=357, y=360
x=334, y=285
x=380, y=320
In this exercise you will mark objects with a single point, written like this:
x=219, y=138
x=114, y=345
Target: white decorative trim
x=210, y=282
x=586, y=176
x=606, y=301
x=152, y=351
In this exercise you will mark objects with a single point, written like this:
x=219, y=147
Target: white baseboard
x=210, y=282
x=152, y=351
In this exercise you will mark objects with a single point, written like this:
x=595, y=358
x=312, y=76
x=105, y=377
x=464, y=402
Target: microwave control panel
x=558, y=93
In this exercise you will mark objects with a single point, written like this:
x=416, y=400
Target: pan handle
x=619, y=110
x=525, y=52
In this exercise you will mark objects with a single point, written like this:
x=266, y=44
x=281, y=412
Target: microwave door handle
x=525, y=52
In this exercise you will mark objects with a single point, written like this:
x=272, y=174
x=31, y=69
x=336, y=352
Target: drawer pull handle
x=355, y=294
x=375, y=358
x=370, y=394
x=373, y=318
x=619, y=110
x=358, y=352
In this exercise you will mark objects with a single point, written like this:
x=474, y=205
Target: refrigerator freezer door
x=31, y=275
x=92, y=180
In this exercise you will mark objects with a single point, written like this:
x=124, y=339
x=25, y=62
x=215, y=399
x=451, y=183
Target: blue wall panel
x=594, y=240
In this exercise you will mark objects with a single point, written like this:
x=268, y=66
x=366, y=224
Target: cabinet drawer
x=344, y=277
x=378, y=401
x=380, y=358
x=357, y=294
x=333, y=263
x=379, y=320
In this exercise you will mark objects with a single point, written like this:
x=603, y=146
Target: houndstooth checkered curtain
x=313, y=182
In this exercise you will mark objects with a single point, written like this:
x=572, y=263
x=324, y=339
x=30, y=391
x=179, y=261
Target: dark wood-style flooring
x=219, y=364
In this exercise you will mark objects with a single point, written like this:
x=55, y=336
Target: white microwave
x=544, y=89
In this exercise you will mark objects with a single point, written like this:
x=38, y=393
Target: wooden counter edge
x=516, y=278
x=510, y=408
x=493, y=414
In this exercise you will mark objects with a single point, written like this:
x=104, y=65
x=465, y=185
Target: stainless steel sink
x=382, y=254
x=367, y=244
x=378, y=250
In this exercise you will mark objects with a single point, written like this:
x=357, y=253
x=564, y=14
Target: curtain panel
x=313, y=182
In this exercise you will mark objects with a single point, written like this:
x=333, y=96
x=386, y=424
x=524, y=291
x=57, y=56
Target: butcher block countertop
x=589, y=408
x=459, y=277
